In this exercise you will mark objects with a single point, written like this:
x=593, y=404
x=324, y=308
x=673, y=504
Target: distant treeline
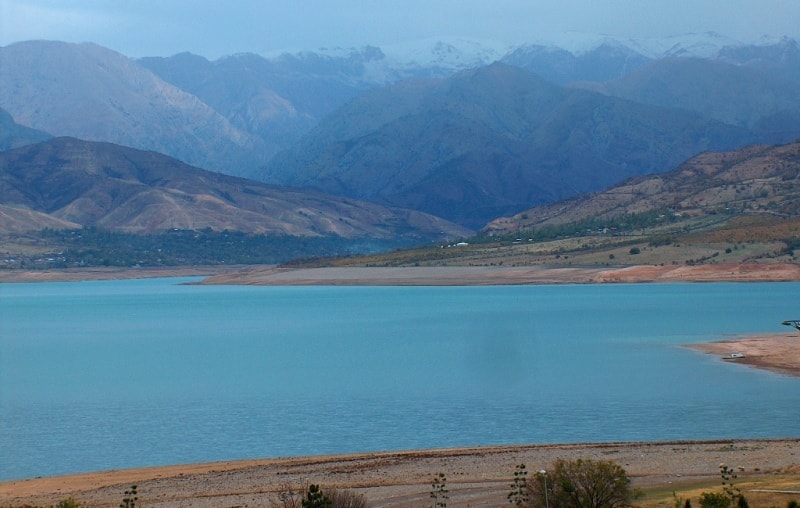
x=91, y=247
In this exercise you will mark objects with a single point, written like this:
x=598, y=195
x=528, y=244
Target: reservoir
x=117, y=374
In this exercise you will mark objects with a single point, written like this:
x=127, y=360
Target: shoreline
x=775, y=352
x=494, y=275
x=475, y=475
x=429, y=275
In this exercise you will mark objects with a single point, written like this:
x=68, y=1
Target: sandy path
x=475, y=476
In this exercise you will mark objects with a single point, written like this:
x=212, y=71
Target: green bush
x=69, y=502
x=714, y=500
x=315, y=498
x=582, y=484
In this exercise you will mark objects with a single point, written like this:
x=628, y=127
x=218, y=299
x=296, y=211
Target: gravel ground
x=475, y=476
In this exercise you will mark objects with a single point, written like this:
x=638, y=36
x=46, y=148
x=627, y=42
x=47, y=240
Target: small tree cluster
x=731, y=496
x=519, y=488
x=313, y=496
x=582, y=484
x=439, y=491
x=129, y=501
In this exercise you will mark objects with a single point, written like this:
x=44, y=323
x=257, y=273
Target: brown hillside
x=123, y=189
x=757, y=180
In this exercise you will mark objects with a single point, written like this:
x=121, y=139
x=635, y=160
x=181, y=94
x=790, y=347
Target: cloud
x=215, y=27
x=41, y=20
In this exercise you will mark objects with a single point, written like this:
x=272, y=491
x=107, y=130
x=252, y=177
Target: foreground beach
x=475, y=476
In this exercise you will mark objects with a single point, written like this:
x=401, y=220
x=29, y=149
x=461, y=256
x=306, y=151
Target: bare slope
x=90, y=92
x=120, y=188
x=757, y=180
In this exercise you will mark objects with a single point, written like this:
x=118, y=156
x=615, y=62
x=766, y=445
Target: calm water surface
x=102, y=375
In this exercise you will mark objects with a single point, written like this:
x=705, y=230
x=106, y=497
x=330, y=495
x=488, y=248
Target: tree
x=129, y=501
x=314, y=498
x=439, y=491
x=730, y=496
x=519, y=488
x=582, y=484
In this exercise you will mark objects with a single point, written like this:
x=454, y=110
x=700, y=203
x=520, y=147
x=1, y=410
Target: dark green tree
x=439, y=491
x=315, y=498
x=519, y=488
x=129, y=501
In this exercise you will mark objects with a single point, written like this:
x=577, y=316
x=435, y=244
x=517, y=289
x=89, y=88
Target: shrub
x=314, y=498
x=519, y=488
x=129, y=501
x=346, y=498
x=714, y=500
x=69, y=502
x=582, y=484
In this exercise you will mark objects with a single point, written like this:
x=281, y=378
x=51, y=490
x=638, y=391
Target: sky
x=214, y=28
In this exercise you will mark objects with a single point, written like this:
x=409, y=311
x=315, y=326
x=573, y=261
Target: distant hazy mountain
x=87, y=91
x=489, y=142
x=274, y=100
x=755, y=180
x=13, y=135
x=68, y=181
x=764, y=101
x=607, y=61
x=234, y=114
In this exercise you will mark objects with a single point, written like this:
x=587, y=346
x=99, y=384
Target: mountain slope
x=87, y=91
x=762, y=180
x=605, y=62
x=490, y=142
x=124, y=189
x=13, y=135
x=766, y=102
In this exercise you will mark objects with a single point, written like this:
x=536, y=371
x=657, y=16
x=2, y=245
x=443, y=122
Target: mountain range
x=465, y=130
x=489, y=142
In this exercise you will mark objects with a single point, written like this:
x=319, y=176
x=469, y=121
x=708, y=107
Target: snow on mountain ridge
x=447, y=52
x=702, y=45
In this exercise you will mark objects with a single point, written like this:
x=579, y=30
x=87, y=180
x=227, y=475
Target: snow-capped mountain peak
x=453, y=53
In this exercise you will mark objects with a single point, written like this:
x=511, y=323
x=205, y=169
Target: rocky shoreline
x=475, y=476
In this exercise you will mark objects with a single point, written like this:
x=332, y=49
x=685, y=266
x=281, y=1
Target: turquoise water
x=106, y=375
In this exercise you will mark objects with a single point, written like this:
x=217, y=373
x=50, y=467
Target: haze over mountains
x=459, y=129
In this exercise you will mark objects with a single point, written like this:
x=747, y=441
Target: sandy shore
x=492, y=275
x=81, y=274
x=430, y=276
x=778, y=352
x=475, y=476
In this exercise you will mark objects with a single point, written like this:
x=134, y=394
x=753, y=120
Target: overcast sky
x=214, y=28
